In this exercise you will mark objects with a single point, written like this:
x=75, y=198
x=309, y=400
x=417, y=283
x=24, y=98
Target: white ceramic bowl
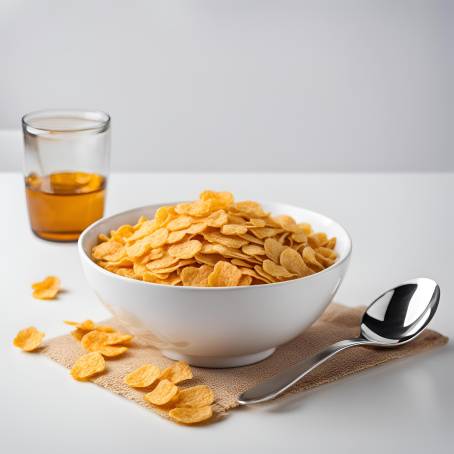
x=218, y=327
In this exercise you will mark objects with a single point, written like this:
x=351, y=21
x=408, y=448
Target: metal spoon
x=394, y=318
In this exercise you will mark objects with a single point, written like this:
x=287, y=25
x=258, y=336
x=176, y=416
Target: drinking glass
x=65, y=168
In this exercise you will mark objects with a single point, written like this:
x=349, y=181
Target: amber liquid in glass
x=62, y=205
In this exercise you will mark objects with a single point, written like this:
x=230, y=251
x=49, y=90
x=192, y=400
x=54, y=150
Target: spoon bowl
x=400, y=314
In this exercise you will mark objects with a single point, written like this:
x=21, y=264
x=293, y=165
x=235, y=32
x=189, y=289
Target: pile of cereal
x=215, y=242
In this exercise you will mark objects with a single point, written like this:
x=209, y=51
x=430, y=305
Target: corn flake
x=276, y=270
x=299, y=237
x=198, y=208
x=195, y=397
x=253, y=249
x=196, y=277
x=78, y=334
x=177, y=372
x=28, y=339
x=250, y=209
x=218, y=200
x=174, y=237
x=118, y=338
x=196, y=228
x=264, y=275
x=224, y=274
x=185, y=250
x=106, y=248
x=89, y=325
x=88, y=365
x=292, y=261
x=105, y=343
x=143, y=377
x=94, y=340
x=245, y=280
x=179, y=223
x=265, y=232
x=164, y=392
x=158, y=238
x=317, y=240
x=163, y=262
x=224, y=240
x=217, y=219
x=311, y=260
x=191, y=415
x=111, y=351
x=233, y=229
x=46, y=289
x=256, y=222
x=273, y=249
x=208, y=259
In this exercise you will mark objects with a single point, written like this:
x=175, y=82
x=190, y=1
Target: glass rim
x=103, y=119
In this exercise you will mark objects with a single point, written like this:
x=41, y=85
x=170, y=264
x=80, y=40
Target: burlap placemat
x=337, y=322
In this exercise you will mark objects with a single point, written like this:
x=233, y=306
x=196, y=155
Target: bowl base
x=219, y=361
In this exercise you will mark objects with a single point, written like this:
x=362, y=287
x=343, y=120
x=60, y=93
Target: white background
x=197, y=85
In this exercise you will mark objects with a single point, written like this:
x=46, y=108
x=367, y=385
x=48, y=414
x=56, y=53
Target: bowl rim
x=86, y=257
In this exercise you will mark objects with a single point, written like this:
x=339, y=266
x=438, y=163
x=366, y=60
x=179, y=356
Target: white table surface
x=401, y=226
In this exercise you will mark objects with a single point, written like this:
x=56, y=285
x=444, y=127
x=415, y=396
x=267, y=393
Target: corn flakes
x=213, y=241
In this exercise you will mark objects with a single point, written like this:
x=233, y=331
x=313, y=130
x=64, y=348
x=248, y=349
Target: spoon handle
x=279, y=383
